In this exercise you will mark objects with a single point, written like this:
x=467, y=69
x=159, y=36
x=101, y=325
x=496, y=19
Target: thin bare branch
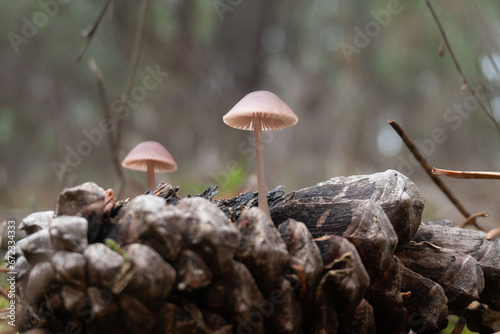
x=465, y=175
x=113, y=145
x=4, y=293
x=472, y=218
x=116, y=121
x=425, y=165
x=459, y=326
x=134, y=59
x=465, y=82
x=90, y=31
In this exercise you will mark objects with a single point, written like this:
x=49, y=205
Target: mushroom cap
x=274, y=113
x=147, y=151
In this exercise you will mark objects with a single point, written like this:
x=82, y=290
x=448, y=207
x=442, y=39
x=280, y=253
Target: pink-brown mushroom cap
x=274, y=113
x=139, y=156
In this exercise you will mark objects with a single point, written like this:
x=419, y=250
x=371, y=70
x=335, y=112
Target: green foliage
x=452, y=322
x=116, y=247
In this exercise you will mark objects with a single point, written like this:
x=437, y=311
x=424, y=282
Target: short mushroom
x=257, y=111
x=494, y=233
x=150, y=157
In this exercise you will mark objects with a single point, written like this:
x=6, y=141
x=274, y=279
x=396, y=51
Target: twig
x=89, y=32
x=4, y=270
x=459, y=326
x=465, y=82
x=4, y=293
x=465, y=175
x=472, y=218
x=425, y=165
x=134, y=59
x=107, y=115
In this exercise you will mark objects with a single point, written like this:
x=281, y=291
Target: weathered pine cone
x=345, y=256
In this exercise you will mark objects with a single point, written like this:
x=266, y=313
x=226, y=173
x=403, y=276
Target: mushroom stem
x=261, y=181
x=151, y=174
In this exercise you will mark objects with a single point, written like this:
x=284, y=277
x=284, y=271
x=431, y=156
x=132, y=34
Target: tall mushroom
x=257, y=111
x=150, y=157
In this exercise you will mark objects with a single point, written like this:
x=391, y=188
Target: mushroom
x=151, y=157
x=494, y=233
x=257, y=111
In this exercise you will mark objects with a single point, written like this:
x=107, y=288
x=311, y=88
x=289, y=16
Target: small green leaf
x=115, y=247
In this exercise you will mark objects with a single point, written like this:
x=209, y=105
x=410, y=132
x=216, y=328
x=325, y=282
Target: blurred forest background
x=344, y=67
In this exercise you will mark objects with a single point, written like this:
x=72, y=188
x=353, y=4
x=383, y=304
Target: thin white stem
x=261, y=180
x=151, y=174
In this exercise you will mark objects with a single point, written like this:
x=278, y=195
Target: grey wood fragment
x=323, y=205
x=473, y=243
x=458, y=274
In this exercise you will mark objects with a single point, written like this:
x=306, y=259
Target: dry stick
x=459, y=326
x=471, y=219
x=457, y=65
x=4, y=293
x=425, y=165
x=89, y=32
x=107, y=115
x=464, y=80
x=465, y=175
x=134, y=59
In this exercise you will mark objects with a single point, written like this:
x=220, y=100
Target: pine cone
x=163, y=264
